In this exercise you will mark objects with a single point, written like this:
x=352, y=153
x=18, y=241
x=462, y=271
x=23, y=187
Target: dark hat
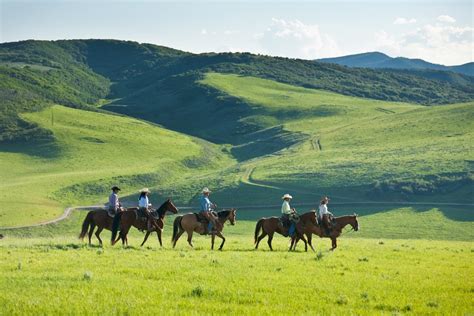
x=115, y=188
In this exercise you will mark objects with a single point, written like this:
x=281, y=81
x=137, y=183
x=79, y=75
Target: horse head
x=354, y=223
x=232, y=216
x=171, y=207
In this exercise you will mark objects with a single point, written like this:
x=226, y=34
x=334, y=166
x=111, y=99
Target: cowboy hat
x=206, y=190
x=115, y=188
x=145, y=190
x=286, y=196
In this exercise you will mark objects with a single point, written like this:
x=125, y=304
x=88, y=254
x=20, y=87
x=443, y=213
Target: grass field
x=363, y=276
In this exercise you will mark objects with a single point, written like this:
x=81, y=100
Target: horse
x=271, y=225
x=309, y=226
x=189, y=223
x=99, y=218
x=129, y=218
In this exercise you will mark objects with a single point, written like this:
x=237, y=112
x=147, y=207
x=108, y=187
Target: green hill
x=91, y=152
x=80, y=73
x=280, y=125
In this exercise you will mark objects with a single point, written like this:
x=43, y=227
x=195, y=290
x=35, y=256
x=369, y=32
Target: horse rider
x=144, y=206
x=114, y=204
x=206, y=208
x=325, y=216
x=288, y=213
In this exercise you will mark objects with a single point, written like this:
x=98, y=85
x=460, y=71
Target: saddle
x=200, y=218
x=143, y=216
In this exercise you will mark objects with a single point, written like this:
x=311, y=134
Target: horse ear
x=355, y=214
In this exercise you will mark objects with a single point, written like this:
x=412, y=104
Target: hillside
x=353, y=148
x=250, y=127
x=91, y=152
x=82, y=73
x=379, y=60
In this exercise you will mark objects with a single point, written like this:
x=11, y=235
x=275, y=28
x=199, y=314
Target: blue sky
x=437, y=31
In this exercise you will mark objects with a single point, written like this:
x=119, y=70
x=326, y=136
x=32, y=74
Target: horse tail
x=115, y=226
x=176, y=225
x=258, y=227
x=86, y=224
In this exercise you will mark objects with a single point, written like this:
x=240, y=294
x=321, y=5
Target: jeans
x=291, y=230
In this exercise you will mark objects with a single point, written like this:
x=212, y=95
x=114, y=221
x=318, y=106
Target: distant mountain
x=380, y=60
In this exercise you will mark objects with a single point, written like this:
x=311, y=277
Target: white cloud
x=446, y=19
x=440, y=43
x=203, y=32
x=293, y=38
x=401, y=21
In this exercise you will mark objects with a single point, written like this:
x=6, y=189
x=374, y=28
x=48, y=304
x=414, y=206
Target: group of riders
x=288, y=219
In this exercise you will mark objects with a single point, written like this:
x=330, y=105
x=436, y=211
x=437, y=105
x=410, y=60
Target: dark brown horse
x=309, y=226
x=130, y=218
x=94, y=218
x=271, y=225
x=189, y=223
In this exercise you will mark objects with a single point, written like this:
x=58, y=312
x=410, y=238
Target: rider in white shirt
x=324, y=215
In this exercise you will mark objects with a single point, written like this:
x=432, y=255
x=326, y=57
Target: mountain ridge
x=375, y=60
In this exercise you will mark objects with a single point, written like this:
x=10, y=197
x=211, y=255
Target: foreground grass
x=363, y=276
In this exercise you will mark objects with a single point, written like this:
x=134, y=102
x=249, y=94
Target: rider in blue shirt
x=206, y=208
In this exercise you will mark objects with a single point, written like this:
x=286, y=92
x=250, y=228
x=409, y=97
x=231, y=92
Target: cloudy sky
x=437, y=31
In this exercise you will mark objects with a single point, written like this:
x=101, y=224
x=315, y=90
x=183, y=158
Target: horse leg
x=158, y=233
x=305, y=243
x=146, y=237
x=292, y=244
x=270, y=238
x=223, y=240
x=310, y=240
x=177, y=237
x=213, y=237
x=260, y=238
x=190, y=237
x=334, y=243
x=97, y=234
x=91, y=231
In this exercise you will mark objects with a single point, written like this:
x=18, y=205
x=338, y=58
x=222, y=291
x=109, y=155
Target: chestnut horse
x=271, y=225
x=309, y=226
x=130, y=218
x=94, y=218
x=188, y=223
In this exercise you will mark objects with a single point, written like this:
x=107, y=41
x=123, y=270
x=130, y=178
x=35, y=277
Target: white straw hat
x=145, y=190
x=206, y=190
x=286, y=196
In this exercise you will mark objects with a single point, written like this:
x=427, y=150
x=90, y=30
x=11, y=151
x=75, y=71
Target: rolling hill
x=379, y=60
x=81, y=115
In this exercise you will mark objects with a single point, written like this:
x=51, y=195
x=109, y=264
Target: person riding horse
x=114, y=204
x=325, y=216
x=144, y=207
x=289, y=215
x=206, y=208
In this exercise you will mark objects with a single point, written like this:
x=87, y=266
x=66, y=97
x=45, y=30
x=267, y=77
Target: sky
x=437, y=31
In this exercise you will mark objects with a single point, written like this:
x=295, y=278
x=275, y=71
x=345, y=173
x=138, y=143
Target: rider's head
x=206, y=192
x=115, y=189
x=325, y=200
x=144, y=191
x=287, y=197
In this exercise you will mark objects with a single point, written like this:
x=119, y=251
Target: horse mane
x=223, y=214
x=161, y=210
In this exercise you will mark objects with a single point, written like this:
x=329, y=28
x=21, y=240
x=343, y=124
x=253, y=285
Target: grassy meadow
x=47, y=271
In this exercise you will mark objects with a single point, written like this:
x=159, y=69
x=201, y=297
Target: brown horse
x=129, y=218
x=189, y=223
x=94, y=218
x=309, y=226
x=271, y=225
